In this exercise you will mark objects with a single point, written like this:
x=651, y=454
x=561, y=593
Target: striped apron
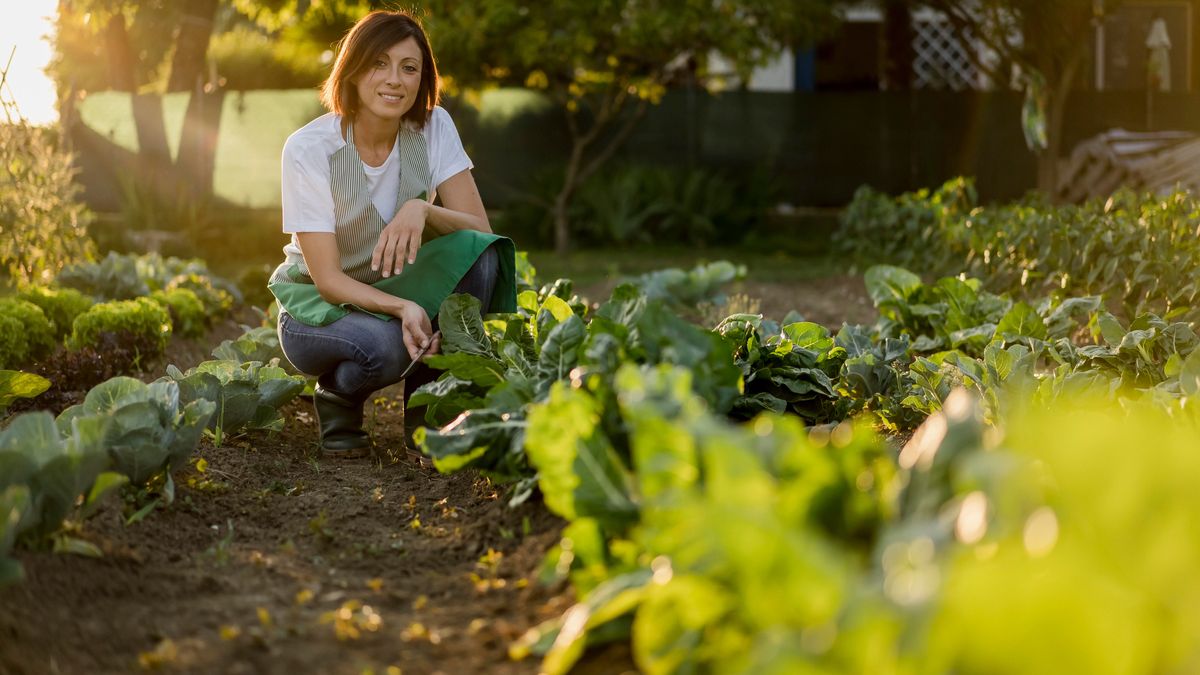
x=440, y=263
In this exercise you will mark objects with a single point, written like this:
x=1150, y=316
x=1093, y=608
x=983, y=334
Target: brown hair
x=374, y=34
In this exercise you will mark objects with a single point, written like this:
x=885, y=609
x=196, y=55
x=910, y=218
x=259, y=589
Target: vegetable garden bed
x=272, y=560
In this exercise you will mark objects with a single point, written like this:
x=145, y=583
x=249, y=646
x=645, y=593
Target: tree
x=605, y=63
x=138, y=40
x=1048, y=41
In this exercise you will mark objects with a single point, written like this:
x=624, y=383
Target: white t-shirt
x=307, y=198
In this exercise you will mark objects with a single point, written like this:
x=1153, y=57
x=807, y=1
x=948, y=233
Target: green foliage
x=744, y=540
x=37, y=332
x=14, y=346
x=249, y=59
x=142, y=322
x=148, y=429
x=495, y=370
x=256, y=344
x=60, y=305
x=1139, y=252
x=127, y=276
x=216, y=301
x=245, y=395
x=56, y=467
x=636, y=205
x=15, y=385
x=188, y=316
x=113, y=278
x=45, y=225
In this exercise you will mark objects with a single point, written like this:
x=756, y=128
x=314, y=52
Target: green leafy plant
x=149, y=429
x=36, y=329
x=142, y=322
x=245, y=395
x=113, y=278
x=188, y=315
x=60, y=305
x=45, y=222
x=16, y=385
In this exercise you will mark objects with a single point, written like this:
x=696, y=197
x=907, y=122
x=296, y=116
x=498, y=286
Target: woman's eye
x=380, y=64
x=410, y=69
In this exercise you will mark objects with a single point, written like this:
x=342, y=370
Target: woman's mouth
x=391, y=98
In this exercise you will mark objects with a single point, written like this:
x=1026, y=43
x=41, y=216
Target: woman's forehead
x=405, y=49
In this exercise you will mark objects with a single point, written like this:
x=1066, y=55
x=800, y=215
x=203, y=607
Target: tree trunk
x=1048, y=161
x=198, y=142
x=191, y=45
x=562, y=201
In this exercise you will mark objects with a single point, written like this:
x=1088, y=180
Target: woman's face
x=388, y=86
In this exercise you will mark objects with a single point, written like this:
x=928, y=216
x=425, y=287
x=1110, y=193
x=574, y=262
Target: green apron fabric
x=440, y=263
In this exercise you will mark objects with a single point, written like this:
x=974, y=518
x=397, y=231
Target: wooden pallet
x=1156, y=162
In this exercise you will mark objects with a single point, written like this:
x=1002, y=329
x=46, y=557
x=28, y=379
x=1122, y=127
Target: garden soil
x=274, y=560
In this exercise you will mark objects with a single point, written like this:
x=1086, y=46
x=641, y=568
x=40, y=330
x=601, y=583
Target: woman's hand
x=418, y=332
x=401, y=239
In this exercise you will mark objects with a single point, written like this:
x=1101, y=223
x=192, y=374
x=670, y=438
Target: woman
x=372, y=257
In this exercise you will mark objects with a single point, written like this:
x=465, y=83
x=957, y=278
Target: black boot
x=341, y=423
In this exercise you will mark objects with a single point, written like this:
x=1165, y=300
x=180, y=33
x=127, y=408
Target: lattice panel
x=940, y=62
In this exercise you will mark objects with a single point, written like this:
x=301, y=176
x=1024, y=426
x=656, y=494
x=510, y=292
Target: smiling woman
x=28, y=26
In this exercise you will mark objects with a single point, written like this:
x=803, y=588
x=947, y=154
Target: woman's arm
x=323, y=260
x=462, y=207
x=462, y=210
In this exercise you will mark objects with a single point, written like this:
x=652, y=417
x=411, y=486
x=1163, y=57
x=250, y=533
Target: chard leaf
x=624, y=306
x=808, y=335
x=15, y=384
x=890, y=285
x=579, y=472
x=560, y=351
x=749, y=406
x=484, y=438
x=1022, y=321
x=445, y=398
x=462, y=326
x=484, y=371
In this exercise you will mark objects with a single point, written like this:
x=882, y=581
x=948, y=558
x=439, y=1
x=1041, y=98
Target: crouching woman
x=372, y=257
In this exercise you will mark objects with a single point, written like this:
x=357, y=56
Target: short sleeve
x=307, y=199
x=448, y=156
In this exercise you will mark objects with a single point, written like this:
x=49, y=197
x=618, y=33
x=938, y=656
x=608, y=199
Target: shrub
x=37, y=329
x=217, y=301
x=143, y=322
x=188, y=317
x=45, y=226
x=61, y=306
x=14, y=347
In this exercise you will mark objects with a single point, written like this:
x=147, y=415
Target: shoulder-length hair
x=373, y=35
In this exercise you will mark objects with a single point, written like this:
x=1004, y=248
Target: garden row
x=144, y=298
x=768, y=547
x=127, y=435
x=1142, y=253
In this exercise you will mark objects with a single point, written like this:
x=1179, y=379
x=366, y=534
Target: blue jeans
x=359, y=354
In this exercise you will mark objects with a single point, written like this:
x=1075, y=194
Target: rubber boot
x=341, y=423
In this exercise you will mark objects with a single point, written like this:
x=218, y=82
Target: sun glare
x=26, y=25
